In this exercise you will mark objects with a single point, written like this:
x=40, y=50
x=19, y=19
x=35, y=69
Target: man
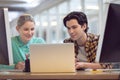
x=85, y=43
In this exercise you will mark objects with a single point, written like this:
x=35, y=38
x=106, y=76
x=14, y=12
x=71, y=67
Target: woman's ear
x=17, y=28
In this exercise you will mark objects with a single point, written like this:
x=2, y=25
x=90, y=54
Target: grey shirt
x=81, y=54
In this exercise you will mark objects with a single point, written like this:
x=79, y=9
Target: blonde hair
x=24, y=18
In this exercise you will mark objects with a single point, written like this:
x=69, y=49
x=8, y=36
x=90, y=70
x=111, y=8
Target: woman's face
x=26, y=31
x=75, y=30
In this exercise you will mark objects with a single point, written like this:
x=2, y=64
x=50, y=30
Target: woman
x=20, y=44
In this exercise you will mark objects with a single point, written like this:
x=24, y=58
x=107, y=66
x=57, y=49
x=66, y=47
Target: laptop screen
x=52, y=57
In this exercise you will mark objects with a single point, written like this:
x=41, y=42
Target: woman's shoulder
x=14, y=38
x=37, y=40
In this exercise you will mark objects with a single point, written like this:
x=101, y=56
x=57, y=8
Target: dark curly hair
x=79, y=16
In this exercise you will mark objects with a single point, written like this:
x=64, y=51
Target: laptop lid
x=52, y=57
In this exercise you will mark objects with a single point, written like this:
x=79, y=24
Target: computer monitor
x=5, y=39
x=109, y=42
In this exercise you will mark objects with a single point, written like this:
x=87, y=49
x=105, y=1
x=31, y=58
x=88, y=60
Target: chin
x=28, y=39
x=73, y=39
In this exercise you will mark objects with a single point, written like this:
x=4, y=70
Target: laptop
x=52, y=58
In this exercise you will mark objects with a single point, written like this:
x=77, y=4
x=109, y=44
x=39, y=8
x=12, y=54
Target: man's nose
x=71, y=30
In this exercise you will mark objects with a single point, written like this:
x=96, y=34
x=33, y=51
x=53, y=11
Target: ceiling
x=16, y=7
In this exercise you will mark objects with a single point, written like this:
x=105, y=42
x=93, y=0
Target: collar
x=21, y=43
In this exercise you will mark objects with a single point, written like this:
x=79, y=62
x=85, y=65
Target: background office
x=49, y=14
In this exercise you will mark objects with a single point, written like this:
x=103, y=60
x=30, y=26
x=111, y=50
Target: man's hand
x=79, y=65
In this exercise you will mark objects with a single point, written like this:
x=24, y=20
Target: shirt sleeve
x=38, y=40
x=2, y=66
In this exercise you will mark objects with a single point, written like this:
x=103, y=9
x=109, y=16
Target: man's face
x=75, y=30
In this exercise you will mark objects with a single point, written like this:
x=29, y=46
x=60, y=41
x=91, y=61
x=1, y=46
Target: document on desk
x=102, y=70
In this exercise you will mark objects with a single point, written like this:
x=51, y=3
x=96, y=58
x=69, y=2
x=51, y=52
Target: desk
x=113, y=75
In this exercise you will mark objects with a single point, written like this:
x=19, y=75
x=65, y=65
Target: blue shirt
x=20, y=50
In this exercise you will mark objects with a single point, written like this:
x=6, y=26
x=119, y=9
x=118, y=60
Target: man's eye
x=73, y=27
x=68, y=28
x=32, y=29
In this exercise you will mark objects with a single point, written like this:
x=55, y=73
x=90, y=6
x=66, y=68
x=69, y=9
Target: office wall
x=49, y=16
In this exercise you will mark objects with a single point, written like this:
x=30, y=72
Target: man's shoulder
x=93, y=36
x=68, y=40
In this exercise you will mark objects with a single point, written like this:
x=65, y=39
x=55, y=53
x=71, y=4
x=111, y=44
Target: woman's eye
x=25, y=29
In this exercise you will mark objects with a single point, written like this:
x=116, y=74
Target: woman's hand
x=20, y=65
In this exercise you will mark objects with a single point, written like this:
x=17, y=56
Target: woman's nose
x=30, y=32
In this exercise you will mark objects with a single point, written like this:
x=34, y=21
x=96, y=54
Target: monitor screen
x=109, y=43
x=5, y=39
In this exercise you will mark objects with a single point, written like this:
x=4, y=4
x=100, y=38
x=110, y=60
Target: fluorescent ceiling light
x=92, y=7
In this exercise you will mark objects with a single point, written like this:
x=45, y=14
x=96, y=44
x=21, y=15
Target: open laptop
x=52, y=57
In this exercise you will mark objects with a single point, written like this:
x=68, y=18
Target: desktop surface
x=109, y=75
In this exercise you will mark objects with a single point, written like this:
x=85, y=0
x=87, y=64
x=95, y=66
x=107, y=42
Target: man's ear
x=84, y=26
